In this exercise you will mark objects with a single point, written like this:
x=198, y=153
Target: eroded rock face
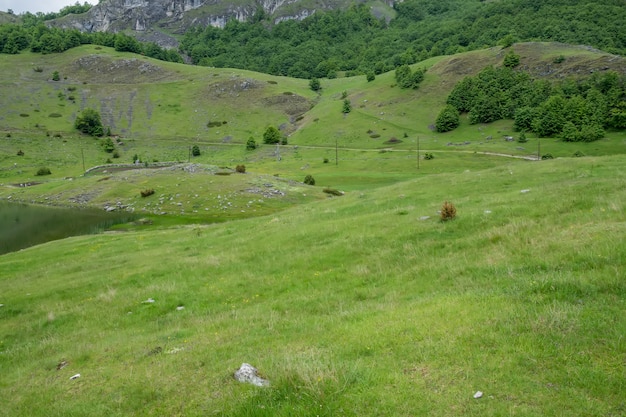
x=174, y=15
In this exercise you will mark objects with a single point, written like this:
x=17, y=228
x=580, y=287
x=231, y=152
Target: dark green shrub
x=347, y=106
x=332, y=191
x=522, y=137
x=8, y=135
x=511, y=60
x=559, y=59
x=392, y=141
x=309, y=180
x=147, y=192
x=56, y=76
x=43, y=171
x=38, y=69
x=20, y=153
x=448, y=119
x=55, y=115
x=24, y=115
x=315, y=84
x=428, y=156
x=214, y=124
x=370, y=76
x=577, y=154
x=547, y=156
x=271, y=135
x=116, y=154
x=107, y=145
x=325, y=160
x=251, y=144
x=240, y=169
x=89, y=122
x=448, y=211
x=344, y=94
x=195, y=150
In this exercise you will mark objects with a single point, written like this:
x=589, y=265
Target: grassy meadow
x=361, y=304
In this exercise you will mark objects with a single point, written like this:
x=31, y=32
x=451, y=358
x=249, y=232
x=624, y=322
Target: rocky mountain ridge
x=150, y=19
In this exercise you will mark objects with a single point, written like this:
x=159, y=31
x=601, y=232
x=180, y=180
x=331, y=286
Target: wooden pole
x=418, y=152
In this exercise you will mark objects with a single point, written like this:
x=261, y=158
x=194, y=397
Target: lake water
x=23, y=225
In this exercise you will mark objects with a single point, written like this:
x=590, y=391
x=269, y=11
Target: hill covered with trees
x=354, y=41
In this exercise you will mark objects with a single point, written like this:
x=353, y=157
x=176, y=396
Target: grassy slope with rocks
x=352, y=306
x=161, y=109
x=361, y=305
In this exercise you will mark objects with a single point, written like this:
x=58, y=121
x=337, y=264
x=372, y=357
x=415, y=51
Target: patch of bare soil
x=121, y=71
x=291, y=104
x=232, y=87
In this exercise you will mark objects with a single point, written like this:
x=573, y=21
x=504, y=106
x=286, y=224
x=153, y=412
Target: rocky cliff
x=146, y=17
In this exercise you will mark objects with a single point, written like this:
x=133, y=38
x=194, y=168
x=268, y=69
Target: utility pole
x=336, y=152
x=418, y=152
x=538, y=149
x=82, y=153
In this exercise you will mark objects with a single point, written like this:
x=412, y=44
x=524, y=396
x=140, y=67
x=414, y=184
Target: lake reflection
x=23, y=225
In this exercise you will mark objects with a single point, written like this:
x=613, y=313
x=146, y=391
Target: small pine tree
x=315, y=84
x=448, y=211
x=511, y=60
x=240, y=169
x=347, y=106
x=56, y=76
x=522, y=138
x=250, y=144
x=271, y=135
x=195, y=150
x=309, y=180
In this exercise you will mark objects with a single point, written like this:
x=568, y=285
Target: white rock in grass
x=248, y=373
x=149, y=301
x=478, y=394
x=75, y=376
x=179, y=308
x=524, y=191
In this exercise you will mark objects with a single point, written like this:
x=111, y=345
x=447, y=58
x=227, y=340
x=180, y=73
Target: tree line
x=354, y=41
x=39, y=38
x=573, y=110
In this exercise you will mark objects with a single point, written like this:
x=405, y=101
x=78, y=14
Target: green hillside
x=361, y=305
x=350, y=296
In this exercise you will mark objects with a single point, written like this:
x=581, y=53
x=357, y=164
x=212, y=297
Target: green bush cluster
x=407, y=78
x=147, y=192
x=43, y=171
x=572, y=110
x=309, y=180
x=332, y=191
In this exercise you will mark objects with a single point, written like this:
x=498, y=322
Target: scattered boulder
x=248, y=373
